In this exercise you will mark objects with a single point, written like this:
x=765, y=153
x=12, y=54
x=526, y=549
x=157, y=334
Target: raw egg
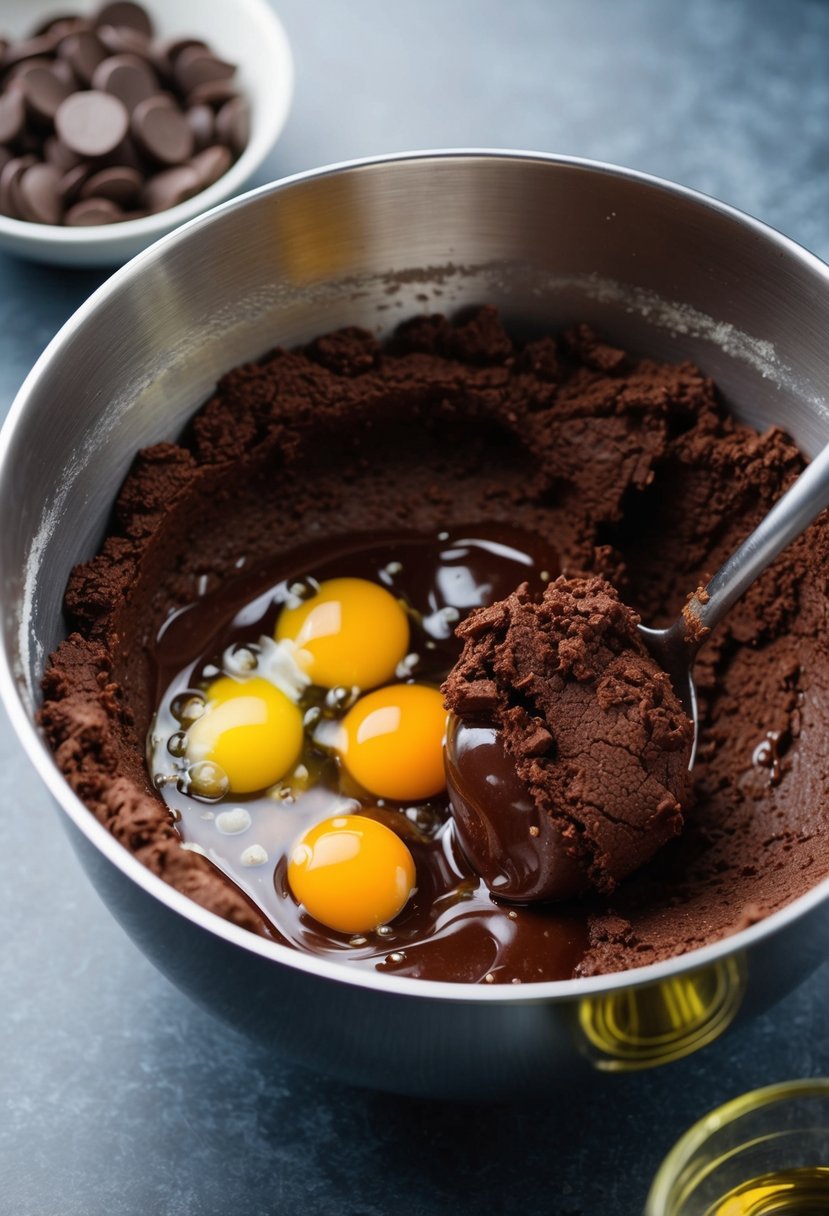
x=352, y=632
x=351, y=873
x=249, y=730
x=391, y=742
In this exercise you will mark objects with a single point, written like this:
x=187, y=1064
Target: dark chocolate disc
x=83, y=52
x=16, y=52
x=126, y=154
x=161, y=130
x=170, y=187
x=127, y=77
x=39, y=197
x=72, y=181
x=92, y=123
x=62, y=24
x=164, y=52
x=10, y=173
x=123, y=15
x=10, y=176
x=44, y=91
x=233, y=124
x=201, y=121
x=124, y=41
x=64, y=71
x=76, y=25
x=211, y=164
x=92, y=211
x=212, y=93
x=25, y=66
x=12, y=115
x=57, y=154
x=197, y=65
x=119, y=183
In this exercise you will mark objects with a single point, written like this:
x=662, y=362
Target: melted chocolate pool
x=451, y=928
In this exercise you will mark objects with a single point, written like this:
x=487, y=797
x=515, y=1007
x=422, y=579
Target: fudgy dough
x=592, y=724
x=634, y=469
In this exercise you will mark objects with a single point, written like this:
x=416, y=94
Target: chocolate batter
x=596, y=735
x=628, y=469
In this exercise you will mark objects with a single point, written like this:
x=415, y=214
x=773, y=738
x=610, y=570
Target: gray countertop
x=116, y=1094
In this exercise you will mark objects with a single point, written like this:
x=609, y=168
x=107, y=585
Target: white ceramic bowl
x=249, y=34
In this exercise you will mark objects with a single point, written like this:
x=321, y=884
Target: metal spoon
x=676, y=647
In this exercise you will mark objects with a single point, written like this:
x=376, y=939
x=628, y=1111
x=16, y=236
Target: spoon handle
x=801, y=503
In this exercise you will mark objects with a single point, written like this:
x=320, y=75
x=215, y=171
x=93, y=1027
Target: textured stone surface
x=116, y=1094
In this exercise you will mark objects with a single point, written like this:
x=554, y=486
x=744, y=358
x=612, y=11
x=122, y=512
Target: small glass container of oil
x=765, y=1153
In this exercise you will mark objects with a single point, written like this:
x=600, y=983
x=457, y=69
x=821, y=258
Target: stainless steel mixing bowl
x=549, y=240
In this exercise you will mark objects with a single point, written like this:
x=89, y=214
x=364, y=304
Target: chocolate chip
x=12, y=115
x=167, y=50
x=124, y=41
x=10, y=176
x=126, y=77
x=64, y=71
x=57, y=154
x=161, y=130
x=170, y=187
x=91, y=211
x=119, y=184
x=72, y=181
x=62, y=25
x=83, y=52
x=25, y=66
x=212, y=92
x=233, y=124
x=211, y=164
x=39, y=196
x=196, y=65
x=126, y=154
x=16, y=52
x=92, y=123
x=123, y=14
x=44, y=91
x=201, y=122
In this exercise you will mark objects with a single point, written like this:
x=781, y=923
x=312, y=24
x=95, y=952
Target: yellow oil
x=795, y=1192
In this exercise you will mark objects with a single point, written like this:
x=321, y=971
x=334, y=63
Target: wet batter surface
x=622, y=468
x=450, y=928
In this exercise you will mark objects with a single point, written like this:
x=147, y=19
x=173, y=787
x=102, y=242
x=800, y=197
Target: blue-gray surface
x=116, y=1094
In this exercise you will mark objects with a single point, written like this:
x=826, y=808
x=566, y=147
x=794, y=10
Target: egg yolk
x=391, y=742
x=351, y=873
x=352, y=632
x=250, y=730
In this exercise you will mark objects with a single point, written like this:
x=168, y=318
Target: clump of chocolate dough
x=597, y=736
